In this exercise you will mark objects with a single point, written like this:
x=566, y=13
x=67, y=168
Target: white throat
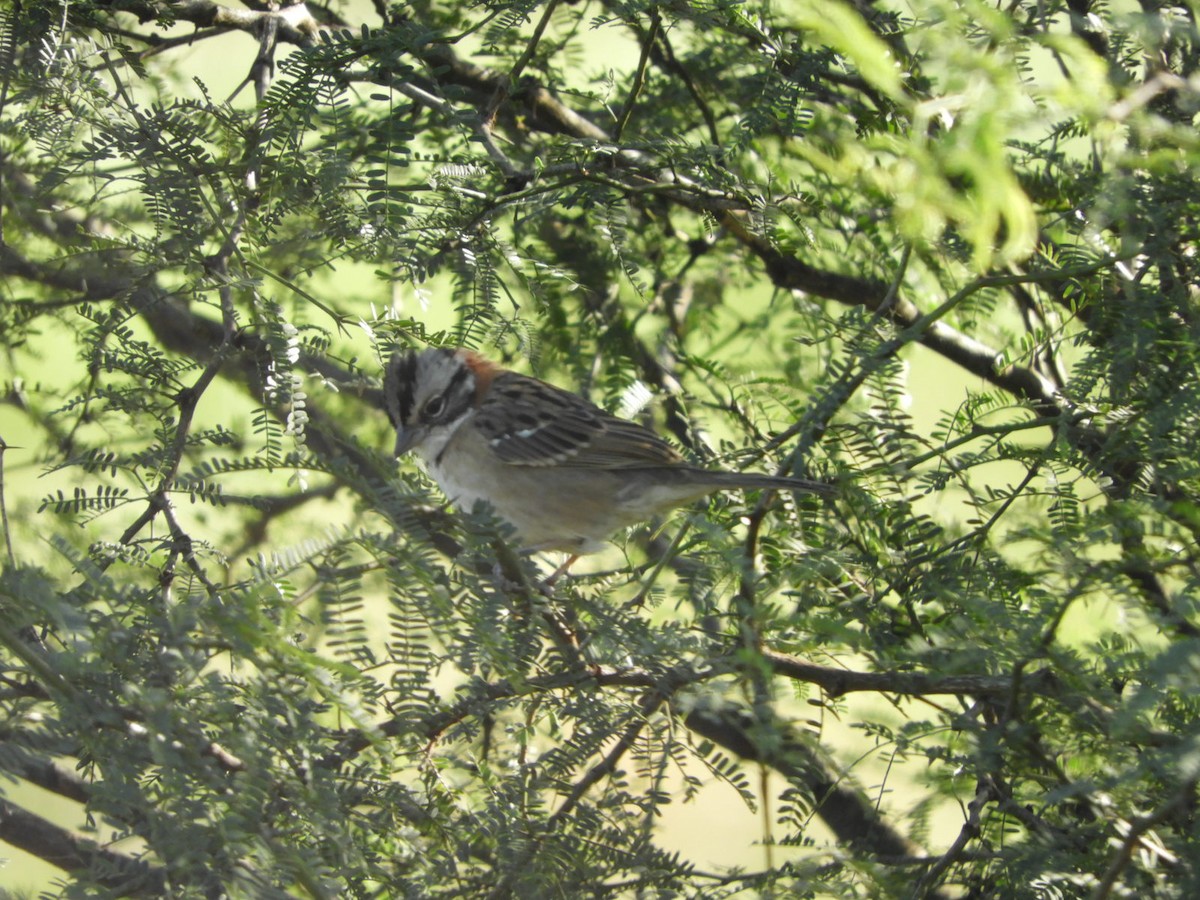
x=436, y=440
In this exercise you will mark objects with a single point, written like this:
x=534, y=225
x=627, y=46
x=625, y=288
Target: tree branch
x=850, y=815
x=59, y=847
x=46, y=774
x=545, y=111
x=968, y=832
x=837, y=682
x=295, y=23
x=1135, y=832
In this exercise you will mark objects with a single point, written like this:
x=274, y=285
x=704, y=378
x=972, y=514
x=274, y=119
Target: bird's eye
x=434, y=408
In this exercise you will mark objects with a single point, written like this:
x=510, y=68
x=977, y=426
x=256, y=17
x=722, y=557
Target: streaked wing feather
x=531, y=423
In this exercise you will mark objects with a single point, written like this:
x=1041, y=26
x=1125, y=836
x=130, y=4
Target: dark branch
x=59, y=847
x=837, y=682
x=851, y=816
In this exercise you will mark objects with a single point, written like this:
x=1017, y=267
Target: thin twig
x=12, y=559
x=9, y=49
x=969, y=831
x=667, y=59
x=1133, y=838
x=514, y=74
x=639, y=76
x=479, y=124
x=184, y=542
x=650, y=702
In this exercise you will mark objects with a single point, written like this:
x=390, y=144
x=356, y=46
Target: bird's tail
x=754, y=481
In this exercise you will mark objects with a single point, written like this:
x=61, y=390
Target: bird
x=564, y=473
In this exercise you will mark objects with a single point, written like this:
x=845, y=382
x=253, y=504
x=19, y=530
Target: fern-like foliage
x=941, y=258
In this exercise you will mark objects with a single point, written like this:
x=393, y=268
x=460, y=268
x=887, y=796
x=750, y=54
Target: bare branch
x=968, y=832
x=837, y=682
x=59, y=847
x=294, y=22
x=1135, y=836
x=850, y=815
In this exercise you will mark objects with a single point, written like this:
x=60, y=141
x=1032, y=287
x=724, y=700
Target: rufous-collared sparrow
x=563, y=472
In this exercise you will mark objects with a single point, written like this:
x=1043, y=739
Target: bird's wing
x=528, y=422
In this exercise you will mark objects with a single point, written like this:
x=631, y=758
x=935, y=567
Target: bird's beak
x=408, y=436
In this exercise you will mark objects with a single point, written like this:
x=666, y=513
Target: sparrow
x=563, y=472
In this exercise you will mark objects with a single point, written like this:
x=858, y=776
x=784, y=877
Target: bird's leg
x=547, y=586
